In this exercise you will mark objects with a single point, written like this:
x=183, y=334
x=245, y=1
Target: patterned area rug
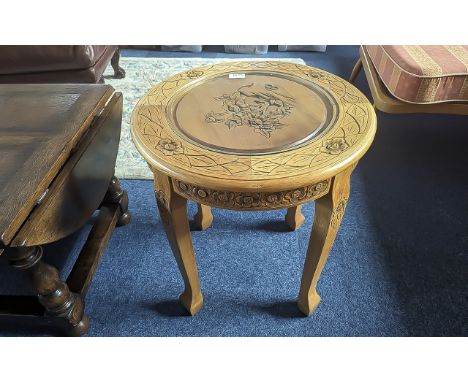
x=142, y=74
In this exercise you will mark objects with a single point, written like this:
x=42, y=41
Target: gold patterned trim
x=427, y=90
x=394, y=78
x=464, y=90
x=423, y=60
x=460, y=53
x=251, y=200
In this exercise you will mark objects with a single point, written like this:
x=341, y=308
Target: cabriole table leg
x=294, y=217
x=329, y=211
x=203, y=218
x=173, y=211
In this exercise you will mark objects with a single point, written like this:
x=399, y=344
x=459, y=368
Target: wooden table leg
x=203, y=218
x=357, y=68
x=329, y=211
x=173, y=210
x=116, y=194
x=294, y=217
x=53, y=293
x=119, y=73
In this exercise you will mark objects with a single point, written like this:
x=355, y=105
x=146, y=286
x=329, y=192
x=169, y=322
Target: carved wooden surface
x=251, y=200
x=263, y=113
x=319, y=158
x=283, y=172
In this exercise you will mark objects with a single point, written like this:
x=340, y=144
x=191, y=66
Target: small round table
x=253, y=136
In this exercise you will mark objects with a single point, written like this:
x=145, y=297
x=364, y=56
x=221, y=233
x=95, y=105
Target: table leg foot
x=119, y=73
x=203, y=218
x=329, y=211
x=79, y=329
x=294, y=217
x=309, y=303
x=193, y=304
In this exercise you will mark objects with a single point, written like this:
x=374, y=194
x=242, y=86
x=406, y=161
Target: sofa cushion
x=47, y=58
x=422, y=73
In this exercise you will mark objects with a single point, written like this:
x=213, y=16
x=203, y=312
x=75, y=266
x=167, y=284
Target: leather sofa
x=57, y=63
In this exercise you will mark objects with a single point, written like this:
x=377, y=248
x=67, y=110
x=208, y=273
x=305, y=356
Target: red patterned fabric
x=422, y=73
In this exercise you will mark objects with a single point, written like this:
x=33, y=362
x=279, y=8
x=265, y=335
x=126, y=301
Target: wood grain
x=62, y=139
x=40, y=126
x=80, y=187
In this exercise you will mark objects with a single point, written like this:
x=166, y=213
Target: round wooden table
x=253, y=136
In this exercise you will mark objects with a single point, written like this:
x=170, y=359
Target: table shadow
x=274, y=226
x=281, y=309
x=168, y=308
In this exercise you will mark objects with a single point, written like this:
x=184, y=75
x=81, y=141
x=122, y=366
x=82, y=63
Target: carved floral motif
x=161, y=197
x=169, y=147
x=313, y=74
x=194, y=74
x=334, y=146
x=261, y=109
x=338, y=212
x=251, y=200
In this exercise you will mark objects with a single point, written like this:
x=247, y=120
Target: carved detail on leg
x=119, y=73
x=294, y=217
x=356, y=70
x=203, y=218
x=329, y=211
x=116, y=194
x=52, y=292
x=173, y=211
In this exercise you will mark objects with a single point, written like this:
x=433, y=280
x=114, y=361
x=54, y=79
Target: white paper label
x=236, y=75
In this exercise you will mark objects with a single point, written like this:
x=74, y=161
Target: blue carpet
x=399, y=265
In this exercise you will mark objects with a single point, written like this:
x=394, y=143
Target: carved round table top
x=258, y=125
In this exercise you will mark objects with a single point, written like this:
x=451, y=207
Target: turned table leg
x=294, y=217
x=329, y=211
x=203, y=218
x=115, y=194
x=119, y=73
x=173, y=211
x=51, y=291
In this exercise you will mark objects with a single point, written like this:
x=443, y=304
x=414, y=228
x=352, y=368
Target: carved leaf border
x=149, y=118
